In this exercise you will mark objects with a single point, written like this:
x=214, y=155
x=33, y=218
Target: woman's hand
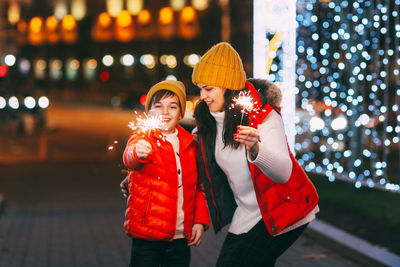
x=143, y=149
x=250, y=137
x=197, y=234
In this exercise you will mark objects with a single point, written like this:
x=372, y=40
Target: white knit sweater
x=273, y=159
x=173, y=139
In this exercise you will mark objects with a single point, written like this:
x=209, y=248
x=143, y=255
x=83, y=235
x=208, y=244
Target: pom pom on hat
x=220, y=66
x=176, y=87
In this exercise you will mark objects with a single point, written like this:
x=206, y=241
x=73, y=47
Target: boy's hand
x=197, y=234
x=143, y=149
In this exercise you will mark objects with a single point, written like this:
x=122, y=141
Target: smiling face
x=213, y=96
x=169, y=110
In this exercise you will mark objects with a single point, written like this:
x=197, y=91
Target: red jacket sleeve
x=131, y=160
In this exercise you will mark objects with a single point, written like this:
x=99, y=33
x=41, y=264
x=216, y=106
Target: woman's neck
x=218, y=116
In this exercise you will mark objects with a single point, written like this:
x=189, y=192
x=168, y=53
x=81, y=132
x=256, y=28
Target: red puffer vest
x=153, y=189
x=281, y=204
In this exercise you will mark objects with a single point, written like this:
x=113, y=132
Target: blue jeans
x=146, y=253
x=256, y=248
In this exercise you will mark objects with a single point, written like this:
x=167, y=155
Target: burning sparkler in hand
x=245, y=100
x=147, y=125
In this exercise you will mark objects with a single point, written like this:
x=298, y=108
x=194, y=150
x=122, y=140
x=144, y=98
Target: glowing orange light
x=51, y=23
x=104, y=19
x=166, y=15
x=22, y=25
x=124, y=18
x=69, y=22
x=188, y=14
x=144, y=16
x=36, y=24
x=14, y=12
x=92, y=63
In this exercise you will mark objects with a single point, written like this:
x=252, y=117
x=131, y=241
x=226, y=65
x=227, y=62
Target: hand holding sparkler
x=145, y=126
x=250, y=137
x=143, y=149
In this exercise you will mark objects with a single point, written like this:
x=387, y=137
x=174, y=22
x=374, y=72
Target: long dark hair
x=206, y=124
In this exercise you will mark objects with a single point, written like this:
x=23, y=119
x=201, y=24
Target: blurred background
x=73, y=73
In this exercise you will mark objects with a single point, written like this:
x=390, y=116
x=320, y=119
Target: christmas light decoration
x=274, y=39
x=348, y=75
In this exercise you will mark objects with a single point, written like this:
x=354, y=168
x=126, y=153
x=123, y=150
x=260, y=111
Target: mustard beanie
x=220, y=66
x=176, y=87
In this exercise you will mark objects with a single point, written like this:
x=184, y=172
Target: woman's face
x=213, y=96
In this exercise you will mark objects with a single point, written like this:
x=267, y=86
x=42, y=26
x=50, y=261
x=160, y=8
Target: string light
x=351, y=48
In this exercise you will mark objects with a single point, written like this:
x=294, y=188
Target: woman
x=251, y=179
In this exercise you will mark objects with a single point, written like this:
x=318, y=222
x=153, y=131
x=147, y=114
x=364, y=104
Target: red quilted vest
x=281, y=204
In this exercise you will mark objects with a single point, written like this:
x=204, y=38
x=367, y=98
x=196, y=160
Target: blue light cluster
x=348, y=84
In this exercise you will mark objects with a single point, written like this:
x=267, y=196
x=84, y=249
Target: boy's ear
x=180, y=112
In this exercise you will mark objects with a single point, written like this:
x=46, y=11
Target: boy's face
x=170, y=112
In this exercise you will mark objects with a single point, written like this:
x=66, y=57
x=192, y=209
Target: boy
x=166, y=208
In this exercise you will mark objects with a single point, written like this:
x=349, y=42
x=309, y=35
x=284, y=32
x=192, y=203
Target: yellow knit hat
x=176, y=87
x=220, y=66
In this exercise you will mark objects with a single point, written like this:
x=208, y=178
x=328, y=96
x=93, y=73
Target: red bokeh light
x=3, y=70
x=104, y=76
x=143, y=99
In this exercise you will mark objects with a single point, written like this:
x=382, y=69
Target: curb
x=351, y=246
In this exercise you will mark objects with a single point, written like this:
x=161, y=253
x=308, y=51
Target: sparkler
x=111, y=147
x=147, y=125
x=246, y=101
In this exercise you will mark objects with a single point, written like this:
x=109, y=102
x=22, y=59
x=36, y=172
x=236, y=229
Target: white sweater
x=173, y=139
x=273, y=159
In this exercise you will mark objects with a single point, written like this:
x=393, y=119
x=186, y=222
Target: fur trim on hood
x=270, y=93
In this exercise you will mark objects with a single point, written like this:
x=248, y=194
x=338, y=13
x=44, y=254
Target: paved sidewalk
x=71, y=214
x=91, y=234
x=64, y=207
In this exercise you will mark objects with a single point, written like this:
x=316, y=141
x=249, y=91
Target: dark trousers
x=146, y=253
x=256, y=248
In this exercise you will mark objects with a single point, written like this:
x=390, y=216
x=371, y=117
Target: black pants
x=146, y=253
x=256, y=248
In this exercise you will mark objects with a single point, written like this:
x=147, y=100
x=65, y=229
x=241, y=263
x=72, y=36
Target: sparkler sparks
x=111, y=147
x=246, y=101
x=147, y=125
